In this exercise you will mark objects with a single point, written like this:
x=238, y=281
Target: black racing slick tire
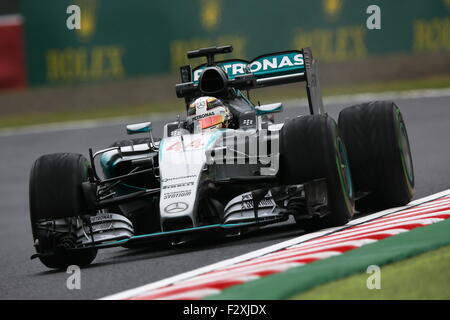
x=311, y=148
x=55, y=192
x=379, y=153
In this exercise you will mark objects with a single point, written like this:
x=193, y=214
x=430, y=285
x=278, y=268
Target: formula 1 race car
x=225, y=169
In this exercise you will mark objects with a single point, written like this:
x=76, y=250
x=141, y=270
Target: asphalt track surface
x=118, y=269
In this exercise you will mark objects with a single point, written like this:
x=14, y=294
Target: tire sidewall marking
x=339, y=162
x=400, y=130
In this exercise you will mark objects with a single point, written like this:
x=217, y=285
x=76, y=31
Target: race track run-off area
x=211, y=281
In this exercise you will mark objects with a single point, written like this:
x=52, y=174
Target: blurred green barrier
x=120, y=39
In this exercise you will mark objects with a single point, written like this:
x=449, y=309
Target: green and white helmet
x=208, y=113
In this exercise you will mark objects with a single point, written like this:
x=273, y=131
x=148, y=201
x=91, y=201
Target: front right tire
x=55, y=193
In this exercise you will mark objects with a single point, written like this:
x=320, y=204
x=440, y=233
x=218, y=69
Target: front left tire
x=311, y=148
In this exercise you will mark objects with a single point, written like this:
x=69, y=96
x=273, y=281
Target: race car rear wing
x=267, y=70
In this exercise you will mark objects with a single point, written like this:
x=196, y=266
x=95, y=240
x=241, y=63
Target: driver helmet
x=208, y=113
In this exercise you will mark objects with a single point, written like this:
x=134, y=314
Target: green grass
x=19, y=120
x=173, y=105
x=426, y=276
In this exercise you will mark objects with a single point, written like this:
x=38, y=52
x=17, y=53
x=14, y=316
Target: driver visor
x=211, y=121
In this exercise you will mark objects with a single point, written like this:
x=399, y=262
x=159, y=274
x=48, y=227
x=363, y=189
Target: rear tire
x=56, y=193
x=379, y=153
x=311, y=148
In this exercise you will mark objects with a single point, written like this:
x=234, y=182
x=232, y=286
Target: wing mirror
x=144, y=127
x=269, y=108
x=139, y=128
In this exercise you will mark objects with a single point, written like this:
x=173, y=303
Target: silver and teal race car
x=192, y=184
